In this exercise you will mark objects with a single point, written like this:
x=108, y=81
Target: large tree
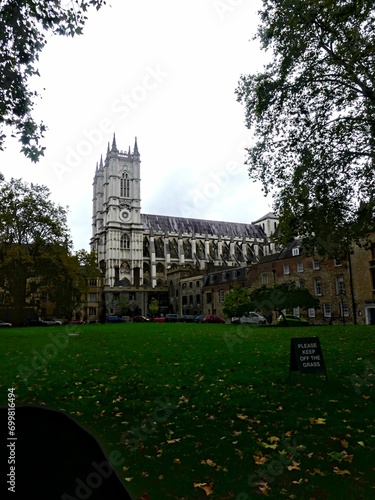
x=237, y=302
x=35, y=247
x=23, y=28
x=282, y=296
x=312, y=112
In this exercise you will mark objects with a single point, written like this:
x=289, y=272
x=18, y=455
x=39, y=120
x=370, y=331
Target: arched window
x=125, y=185
x=125, y=242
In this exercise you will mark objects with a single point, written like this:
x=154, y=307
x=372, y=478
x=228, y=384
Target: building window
x=125, y=242
x=286, y=268
x=209, y=298
x=92, y=311
x=92, y=282
x=299, y=267
x=197, y=299
x=191, y=300
x=190, y=284
x=264, y=279
x=344, y=309
x=315, y=264
x=221, y=295
x=318, y=287
x=184, y=300
x=311, y=312
x=124, y=186
x=176, y=293
x=340, y=288
x=301, y=284
x=92, y=297
x=327, y=310
x=337, y=262
x=198, y=284
x=295, y=251
x=296, y=312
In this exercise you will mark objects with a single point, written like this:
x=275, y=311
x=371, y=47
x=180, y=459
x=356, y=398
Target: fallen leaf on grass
x=294, y=466
x=266, y=445
x=242, y=417
x=260, y=460
x=318, y=471
x=207, y=487
x=263, y=488
x=176, y=461
x=340, y=472
x=361, y=443
x=172, y=441
x=273, y=439
x=318, y=421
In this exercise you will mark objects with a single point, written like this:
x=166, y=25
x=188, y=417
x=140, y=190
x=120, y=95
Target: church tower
x=117, y=233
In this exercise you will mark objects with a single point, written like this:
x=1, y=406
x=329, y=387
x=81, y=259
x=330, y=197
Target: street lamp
x=341, y=294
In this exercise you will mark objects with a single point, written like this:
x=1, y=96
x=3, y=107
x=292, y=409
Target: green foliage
x=35, y=248
x=23, y=29
x=153, y=306
x=237, y=302
x=121, y=306
x=312, y=111
x=283, y=296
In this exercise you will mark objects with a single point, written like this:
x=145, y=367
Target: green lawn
x=189, y=410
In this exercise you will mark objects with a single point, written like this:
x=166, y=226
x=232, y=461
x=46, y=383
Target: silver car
x=251, y=318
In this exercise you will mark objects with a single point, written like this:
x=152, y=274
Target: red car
x=159, y=320
x=213, y=319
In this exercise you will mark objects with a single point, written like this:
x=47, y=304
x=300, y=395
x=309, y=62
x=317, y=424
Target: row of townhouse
x=345, y=287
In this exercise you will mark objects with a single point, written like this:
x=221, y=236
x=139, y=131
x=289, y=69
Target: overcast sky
x=165, y=72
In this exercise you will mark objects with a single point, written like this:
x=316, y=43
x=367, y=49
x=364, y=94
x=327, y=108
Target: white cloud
x=164, y=72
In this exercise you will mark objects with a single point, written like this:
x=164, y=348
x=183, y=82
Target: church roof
x=270, y=215
x=164, y=223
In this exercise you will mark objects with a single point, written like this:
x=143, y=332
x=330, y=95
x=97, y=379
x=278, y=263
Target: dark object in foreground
x=54, y=458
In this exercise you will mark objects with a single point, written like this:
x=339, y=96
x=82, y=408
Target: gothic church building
x=137, y=252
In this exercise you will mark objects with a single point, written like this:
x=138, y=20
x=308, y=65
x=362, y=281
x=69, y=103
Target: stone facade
x=138, y=253
x=363, y=275
x=327, y=279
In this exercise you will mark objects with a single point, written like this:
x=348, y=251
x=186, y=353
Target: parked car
x=42, y=322
x=2, y=323
x=51, y=322
x=161, y=319
x=291, y=320
x=140, y=319
x=172, y=318
x=213, y=319
x=115, y=319
x=251, y=318
x=76, y=322
x=199, y=318
x=187, y=318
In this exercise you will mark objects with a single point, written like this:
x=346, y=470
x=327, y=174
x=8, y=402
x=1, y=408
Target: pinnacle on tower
x=114, y=147
x=101, y=162
x=136, y=152
x=108, y=150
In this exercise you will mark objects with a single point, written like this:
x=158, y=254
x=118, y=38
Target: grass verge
x=191, y=411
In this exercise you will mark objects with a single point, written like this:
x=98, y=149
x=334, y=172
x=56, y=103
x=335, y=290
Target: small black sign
x=306, y=355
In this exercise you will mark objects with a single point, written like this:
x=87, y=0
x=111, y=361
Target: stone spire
x=114, y=147
x=136, y=152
